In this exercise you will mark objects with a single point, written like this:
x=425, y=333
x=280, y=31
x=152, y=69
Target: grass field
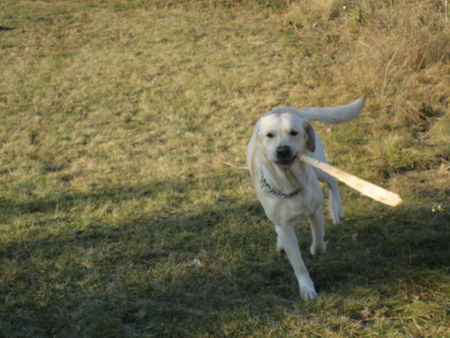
x=123, y=208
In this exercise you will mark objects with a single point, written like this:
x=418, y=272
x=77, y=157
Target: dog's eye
x=293, y=133
x=269, y=135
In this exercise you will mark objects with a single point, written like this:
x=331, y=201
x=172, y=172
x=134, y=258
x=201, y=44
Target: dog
x=289, y=189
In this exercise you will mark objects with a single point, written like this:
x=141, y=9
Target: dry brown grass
x=398, y=54
x=117, y=119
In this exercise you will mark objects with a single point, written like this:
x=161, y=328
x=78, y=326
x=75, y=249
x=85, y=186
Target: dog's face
x=285, y=136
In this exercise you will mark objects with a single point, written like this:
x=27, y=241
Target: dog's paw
x=337, y=219
x=280, y=248
x=336, y=212
x=319, y=248
x=307, y=289
x=281, y=251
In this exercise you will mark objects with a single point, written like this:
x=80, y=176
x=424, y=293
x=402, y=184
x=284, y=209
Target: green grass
x=120, y=215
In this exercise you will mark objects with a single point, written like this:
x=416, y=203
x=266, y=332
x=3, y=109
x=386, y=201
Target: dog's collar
x=266, y=187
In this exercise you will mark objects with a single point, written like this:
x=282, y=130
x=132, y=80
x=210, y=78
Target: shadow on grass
x=173, y=275
x=108, y=193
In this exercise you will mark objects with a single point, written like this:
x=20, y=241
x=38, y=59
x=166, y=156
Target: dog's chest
x=295, y=209
x=288, y=210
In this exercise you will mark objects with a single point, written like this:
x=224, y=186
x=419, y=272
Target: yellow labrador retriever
x=289, y=189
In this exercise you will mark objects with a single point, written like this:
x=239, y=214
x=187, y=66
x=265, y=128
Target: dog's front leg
x=287, y=240
x=317, y=226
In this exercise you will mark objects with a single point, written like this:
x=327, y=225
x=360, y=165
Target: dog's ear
x=310, y=138
x=258, y=127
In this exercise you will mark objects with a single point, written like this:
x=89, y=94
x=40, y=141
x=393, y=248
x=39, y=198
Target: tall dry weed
x=395, y=52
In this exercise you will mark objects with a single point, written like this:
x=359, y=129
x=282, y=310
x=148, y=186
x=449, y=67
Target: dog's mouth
x=286, y=162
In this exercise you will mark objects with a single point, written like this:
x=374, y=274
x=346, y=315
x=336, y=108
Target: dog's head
x=284, y=136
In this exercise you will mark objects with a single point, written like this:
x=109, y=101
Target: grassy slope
x=117, y=122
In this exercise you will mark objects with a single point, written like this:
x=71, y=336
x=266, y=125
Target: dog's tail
x=329, y=115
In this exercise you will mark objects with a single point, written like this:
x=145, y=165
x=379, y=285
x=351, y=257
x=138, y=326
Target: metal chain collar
x=265, y=186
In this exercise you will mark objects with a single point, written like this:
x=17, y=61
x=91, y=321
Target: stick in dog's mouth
x=366, y=188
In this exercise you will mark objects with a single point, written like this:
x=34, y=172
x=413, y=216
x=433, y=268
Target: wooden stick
x=366, y=188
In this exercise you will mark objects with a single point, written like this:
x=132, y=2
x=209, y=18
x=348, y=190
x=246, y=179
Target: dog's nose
x=283, y=152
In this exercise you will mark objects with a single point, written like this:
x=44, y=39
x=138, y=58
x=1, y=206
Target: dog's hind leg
x=287, y=240
x=334, y=201
x=334, y=198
